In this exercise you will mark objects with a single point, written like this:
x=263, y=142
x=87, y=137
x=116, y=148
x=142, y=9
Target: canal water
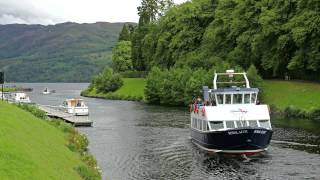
x=133, y=140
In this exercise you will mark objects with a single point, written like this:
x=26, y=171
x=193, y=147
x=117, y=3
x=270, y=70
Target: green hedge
x=292, y=112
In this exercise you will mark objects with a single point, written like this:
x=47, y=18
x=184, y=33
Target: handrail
x=230, y=73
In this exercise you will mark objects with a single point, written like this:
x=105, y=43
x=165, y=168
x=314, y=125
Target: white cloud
x=57, y=11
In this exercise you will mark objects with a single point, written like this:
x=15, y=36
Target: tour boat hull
x=235, y=141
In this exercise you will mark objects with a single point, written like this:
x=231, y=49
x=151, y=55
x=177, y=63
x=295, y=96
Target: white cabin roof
x=236, y=112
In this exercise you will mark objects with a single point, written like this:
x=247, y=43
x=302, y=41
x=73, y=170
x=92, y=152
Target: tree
x=124, y=34
x=107, y=81
x=121, y=56
x=254, y=78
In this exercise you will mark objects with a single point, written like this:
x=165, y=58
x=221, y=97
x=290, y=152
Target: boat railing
x=230, y=74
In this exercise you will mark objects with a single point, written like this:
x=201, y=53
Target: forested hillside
x=280, y=37
x=67, y=52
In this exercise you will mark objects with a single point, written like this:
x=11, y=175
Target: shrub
x=314, y=114
x=33, y=110
x=87, y=173
x=254, y=78
x=293, y=112
x=107, y=81
x=77, y=141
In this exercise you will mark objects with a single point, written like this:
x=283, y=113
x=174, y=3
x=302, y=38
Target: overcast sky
x=58, y=11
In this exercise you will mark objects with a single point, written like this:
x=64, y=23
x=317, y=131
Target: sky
x=57, y=11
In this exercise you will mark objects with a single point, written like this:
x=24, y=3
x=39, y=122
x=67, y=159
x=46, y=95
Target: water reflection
x=135, y=141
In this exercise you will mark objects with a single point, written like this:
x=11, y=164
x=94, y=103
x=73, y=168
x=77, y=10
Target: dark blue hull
x=240, y=140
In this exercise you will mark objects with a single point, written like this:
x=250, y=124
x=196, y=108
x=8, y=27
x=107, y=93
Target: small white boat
x=46, y=91
x=76, y=107
x=20, y=97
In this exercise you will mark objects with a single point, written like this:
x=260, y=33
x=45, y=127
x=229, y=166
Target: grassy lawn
x=132, y=87
x=304, y=95
x=32, y=148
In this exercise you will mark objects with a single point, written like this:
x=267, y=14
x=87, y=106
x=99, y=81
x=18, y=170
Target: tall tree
x=124, y=34
x=121, y=56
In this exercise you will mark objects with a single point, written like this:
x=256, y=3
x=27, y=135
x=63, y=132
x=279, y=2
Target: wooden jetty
x=75, y=120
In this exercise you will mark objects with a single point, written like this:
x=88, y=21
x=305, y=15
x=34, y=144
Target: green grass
x=32, y=148
x=132, y=89
x=8, y=89
x=302, y=95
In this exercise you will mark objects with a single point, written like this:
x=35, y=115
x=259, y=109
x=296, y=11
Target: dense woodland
x=182, y=45
x=278, y=36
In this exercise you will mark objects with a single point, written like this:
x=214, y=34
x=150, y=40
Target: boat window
x=247, y=98
x=253, y=123
x=264, y=124
x=215, y=125
x=230, y=124
x=228, y=99
x=241, y=123
x=253, y=98
x=192, y=122
x=220, y=98
x=237, y=99
x=198, y=125
x=204, y=125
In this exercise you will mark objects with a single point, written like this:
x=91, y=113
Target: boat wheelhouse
x=231, y=119
x=76, y=107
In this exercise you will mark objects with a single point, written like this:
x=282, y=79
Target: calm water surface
x=136, y=141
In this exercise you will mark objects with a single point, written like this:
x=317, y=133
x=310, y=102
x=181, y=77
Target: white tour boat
x=230, y=120
x=20, y=97
x=76, y=107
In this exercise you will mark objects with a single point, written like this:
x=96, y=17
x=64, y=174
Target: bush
x=292, y=112
x=87, y=173
x=33, y=110
x=254, y=78
x=314, y=114
x=77, y=141
x=107, y=81
x=179, y=86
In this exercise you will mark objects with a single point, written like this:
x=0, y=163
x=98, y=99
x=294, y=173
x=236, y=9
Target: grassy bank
x=301, y=95
x=132, y=89
x=32, y=148
x=8, y=89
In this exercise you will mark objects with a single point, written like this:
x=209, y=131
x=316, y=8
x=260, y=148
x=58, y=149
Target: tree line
x=182, y=45
x=279, y=37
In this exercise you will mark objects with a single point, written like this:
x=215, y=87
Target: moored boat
x=46, y=91
x=230, y=119
x=76, y=107
x=20, y=97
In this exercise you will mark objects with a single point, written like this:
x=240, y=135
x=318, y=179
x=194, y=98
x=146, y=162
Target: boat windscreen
x=237, y=99
x=215, y=125
x=264, y=124
x=247, y=98
x=228, y=99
